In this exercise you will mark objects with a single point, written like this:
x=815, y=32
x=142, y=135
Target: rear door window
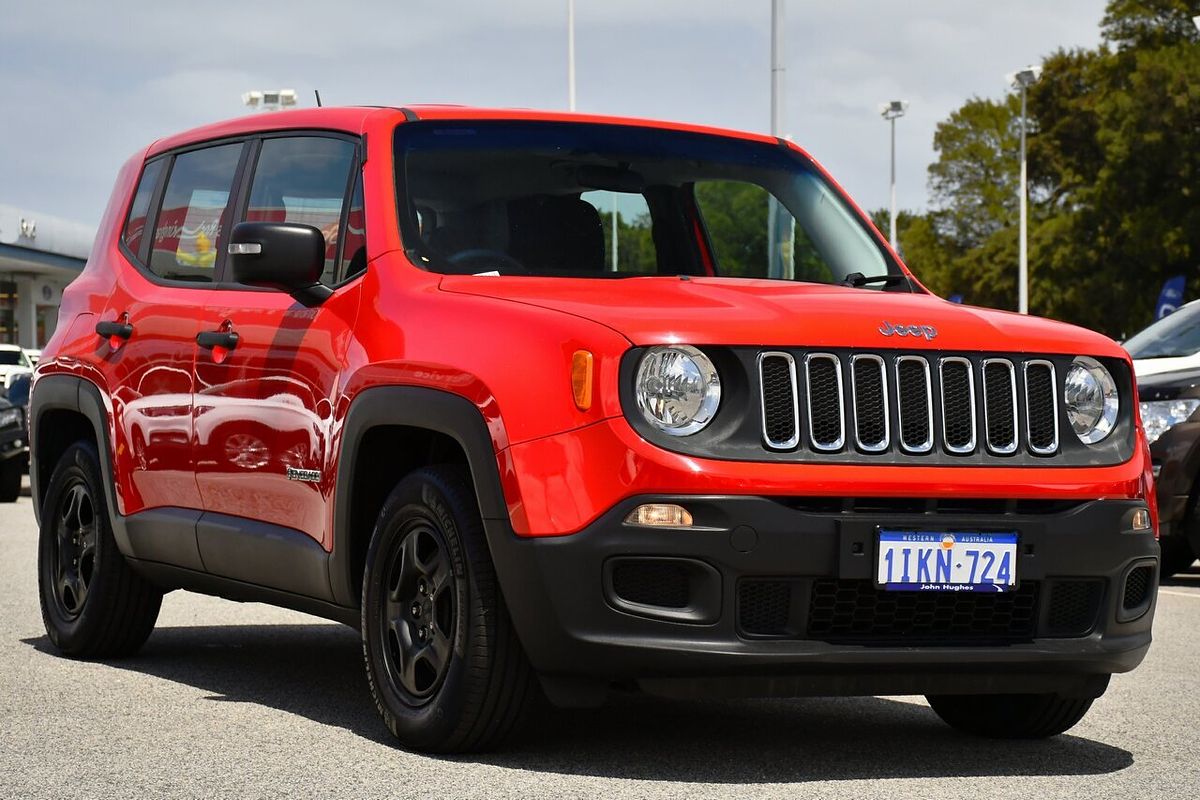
x=192, y=224
x=304, y=180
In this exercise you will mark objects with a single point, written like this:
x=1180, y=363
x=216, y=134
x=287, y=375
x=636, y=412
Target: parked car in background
x=1166, y=360
x=1169, y=403
x=17, y=393
x=13, y=361
x=34, y=356
x=1169, y=344
x=14, y=446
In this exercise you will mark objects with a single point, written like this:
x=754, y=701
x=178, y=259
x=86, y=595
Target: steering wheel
x=484, y=258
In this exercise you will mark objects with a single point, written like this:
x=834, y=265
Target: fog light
x=660, y=515
x=1141, y=519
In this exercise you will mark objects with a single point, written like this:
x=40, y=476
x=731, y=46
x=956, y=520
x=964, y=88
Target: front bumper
x=581, y=631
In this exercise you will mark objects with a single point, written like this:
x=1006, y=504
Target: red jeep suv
x=547, y=403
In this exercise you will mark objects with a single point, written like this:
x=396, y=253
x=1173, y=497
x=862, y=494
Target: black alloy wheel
x=73, y=548
x=419, y=611
x=93, y=604
x=446, y=669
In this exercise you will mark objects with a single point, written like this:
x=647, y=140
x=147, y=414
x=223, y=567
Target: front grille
x=958, y=405
x=869, y=385
x=1073, y=607
x=916, y=404
x=764, y=607
x=781, y=418
x=948, y=406
x=1000, y=405
x=856, y=612
x=651, y=582
x=1041, y=407
x=827, y=420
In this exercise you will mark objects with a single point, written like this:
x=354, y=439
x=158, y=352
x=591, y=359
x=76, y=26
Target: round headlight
x=678, y=389
x=1090, y=395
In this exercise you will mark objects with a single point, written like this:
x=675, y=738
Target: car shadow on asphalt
x=315, y=671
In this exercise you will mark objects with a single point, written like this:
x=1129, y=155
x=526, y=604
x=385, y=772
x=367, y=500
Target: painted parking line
x=1193, y=595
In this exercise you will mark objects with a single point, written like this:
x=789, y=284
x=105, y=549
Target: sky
x=84, y=84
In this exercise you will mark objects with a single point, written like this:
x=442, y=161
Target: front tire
x=1010, y=716
x=93, y=604
x=445, y=667
x=10, y=480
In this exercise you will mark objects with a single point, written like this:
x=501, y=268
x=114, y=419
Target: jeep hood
x=733, y=311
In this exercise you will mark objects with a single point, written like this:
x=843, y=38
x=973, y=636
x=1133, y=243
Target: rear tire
x=10, y=480
x=93, y=604
x=445, y=667
x=1010, y=716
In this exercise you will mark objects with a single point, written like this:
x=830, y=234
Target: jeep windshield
x=589, y=200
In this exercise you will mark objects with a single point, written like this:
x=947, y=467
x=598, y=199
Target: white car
x=1168, y=345
x=13, y=361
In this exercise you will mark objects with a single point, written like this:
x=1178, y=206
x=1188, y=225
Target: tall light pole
x=1022, y=79
x=892, y=111
x=570, y=55
x=776, y=267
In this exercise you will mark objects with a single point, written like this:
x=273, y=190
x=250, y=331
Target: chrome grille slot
x=914, y=405
x=868, y=382
x=1041, y=407
x=958, y=404
x=1000, y=405
x=781, y=406
x=825, y=401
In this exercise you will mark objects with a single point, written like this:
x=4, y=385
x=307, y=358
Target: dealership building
x=39, y=255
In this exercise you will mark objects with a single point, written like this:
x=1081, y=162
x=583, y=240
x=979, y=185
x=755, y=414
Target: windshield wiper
x=857, y=279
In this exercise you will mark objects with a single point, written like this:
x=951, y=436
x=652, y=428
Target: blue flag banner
x=1171, y=296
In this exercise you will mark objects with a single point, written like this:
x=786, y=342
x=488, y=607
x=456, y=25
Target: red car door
x=264, y=406
x=176, y=225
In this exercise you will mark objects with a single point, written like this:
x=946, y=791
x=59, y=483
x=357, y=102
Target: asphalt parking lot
x=231, y=700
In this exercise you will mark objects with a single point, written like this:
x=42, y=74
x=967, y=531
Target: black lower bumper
x=775, y=596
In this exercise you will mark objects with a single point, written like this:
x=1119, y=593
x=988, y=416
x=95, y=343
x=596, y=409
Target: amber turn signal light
x=1141, y=519
x=581, y=379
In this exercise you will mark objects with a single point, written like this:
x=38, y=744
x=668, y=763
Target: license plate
x=946, y=561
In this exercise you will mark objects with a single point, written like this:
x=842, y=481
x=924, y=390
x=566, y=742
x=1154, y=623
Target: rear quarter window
x=190, y=229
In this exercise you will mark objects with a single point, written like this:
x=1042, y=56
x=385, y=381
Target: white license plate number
x=946, y=561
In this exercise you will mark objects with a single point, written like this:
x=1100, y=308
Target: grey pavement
x=244, y=700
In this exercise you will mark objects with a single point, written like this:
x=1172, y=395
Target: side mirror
x=280, y=255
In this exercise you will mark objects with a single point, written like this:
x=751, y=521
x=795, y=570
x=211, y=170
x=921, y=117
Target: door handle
x=210, y=339
x=121, y=330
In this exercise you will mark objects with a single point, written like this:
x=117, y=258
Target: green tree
x=1114, y=169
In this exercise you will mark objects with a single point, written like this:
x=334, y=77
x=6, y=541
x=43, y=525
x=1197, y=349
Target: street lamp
x=892, y=111
x=1022, y=79
x=269, y=100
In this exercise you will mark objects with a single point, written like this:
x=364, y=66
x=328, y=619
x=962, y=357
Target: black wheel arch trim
x=73, y=393
x=416, y=407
